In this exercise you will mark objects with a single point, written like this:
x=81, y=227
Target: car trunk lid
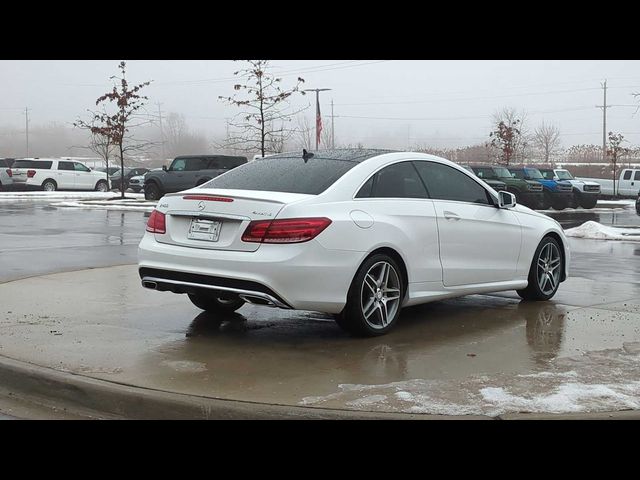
x=215, y=219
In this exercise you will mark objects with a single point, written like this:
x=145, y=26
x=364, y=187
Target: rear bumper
x=303, y=276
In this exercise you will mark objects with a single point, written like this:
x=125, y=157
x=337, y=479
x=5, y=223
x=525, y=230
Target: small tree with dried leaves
x=127, y=115
x=504, y=138
x=614, y=152
x=263, y=103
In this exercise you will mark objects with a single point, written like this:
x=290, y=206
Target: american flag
x=318, y=122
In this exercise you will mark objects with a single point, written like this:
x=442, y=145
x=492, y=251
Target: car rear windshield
x=44, y=164
x=290, y=175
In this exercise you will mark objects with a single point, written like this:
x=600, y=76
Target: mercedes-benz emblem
x=200, y=205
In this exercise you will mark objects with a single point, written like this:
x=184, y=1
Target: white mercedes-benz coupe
x=355, y=233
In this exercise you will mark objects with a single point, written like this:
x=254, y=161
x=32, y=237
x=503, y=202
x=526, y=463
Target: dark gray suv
x=186, y=172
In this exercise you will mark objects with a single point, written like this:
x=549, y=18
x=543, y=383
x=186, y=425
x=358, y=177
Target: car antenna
x=306, y=155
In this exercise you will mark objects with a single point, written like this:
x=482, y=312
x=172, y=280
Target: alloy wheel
x=380, y=295
x=548, y=271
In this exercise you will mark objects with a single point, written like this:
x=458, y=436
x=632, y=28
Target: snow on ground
x=593, y=381
x=140, y=205
x=597, y=231
x=47, y=196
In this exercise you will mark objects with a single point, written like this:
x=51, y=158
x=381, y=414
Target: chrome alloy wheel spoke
x=380, y=294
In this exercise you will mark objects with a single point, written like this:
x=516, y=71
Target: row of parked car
x=537, y=188
x=540, y=188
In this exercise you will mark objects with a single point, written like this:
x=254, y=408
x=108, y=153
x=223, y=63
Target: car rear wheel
x=49, y=186
x=545, y=271
x=374, y=299
x=216, y=303
x=101, y=186
x=152, y=192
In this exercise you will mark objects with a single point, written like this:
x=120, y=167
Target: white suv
x=52, y=174
x=5, y=173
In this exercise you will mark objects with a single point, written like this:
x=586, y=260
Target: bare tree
x=547, y=139
x=614, y=152
x=263, y=103
x=118, y=124
x=304, y=134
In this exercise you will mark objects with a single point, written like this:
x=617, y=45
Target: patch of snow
x=597, y=231
x=134, y=206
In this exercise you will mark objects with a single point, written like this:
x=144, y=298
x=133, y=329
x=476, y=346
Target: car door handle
x=450, y=215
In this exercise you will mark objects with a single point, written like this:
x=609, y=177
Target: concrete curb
x=110, y=400
x=104, y=399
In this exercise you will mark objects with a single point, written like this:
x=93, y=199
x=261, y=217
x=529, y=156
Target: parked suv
x=497, y=185
x=527, y=192
x=5, y=173
x=51, y=174
x=585, y=193
x=556, y=194
x=186, y=172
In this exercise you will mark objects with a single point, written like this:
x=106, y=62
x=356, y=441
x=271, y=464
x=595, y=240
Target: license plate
x=202, y=229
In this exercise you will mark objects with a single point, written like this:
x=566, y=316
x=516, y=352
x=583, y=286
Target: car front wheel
x=374, y=299
x=151, y=192
x=545, y=271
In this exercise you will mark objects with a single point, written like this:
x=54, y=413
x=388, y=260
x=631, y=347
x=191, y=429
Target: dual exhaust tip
x=249, y=298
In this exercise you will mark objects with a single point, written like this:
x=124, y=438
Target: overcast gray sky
x=379, y=103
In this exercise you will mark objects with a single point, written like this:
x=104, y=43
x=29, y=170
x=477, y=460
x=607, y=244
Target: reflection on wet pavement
x=158, y=340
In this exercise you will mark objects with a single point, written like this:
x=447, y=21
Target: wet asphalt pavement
x=478, y=354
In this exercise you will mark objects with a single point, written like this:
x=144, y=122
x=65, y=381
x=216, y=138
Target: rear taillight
x=156, y=222
x=31, y=173
x=290, y=230
x=9, y=172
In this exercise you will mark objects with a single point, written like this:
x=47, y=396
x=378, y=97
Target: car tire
x=152, y=192
x=49, y=185
x=546, y=201
x=586, y=202
x=216, y=304
x=102, y=186
x=545, y=271
x=374, y=299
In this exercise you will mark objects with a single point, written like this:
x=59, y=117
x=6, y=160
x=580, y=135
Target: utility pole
x=604, y=107
x=26, y=123
x=161, y=131
x=318, y=118
x=333, y=132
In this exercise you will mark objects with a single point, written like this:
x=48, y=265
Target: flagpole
x=318, y=118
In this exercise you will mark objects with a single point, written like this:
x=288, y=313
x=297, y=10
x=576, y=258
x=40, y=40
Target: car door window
x=178, y=165
x=636, y=175
x=195, y=164
x=399, y=180
x=627, y=175
x=65, y=166
x=446, y=183
x=78, y=167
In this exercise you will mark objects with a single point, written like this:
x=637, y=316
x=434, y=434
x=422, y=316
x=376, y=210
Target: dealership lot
x=481, y=354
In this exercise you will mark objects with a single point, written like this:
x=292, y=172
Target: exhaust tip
x=148, y=284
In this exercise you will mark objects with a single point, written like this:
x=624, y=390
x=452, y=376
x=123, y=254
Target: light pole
x=318, y=119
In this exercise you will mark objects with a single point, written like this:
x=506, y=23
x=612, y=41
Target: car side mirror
x=506, y=200
x=164, y=167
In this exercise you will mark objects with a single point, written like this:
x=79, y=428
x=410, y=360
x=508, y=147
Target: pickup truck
x=585, y=193
x=556, y=193
x=628, y=185
x=527, y=192
x=186, y=172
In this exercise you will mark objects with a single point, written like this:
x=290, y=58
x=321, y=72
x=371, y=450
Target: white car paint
x=449, y=248
x=67, y=174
